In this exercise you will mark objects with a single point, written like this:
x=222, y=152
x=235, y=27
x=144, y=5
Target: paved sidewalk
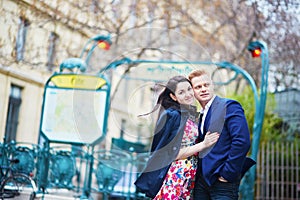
x=59, y=194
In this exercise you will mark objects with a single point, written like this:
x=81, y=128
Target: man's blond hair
x=196, y=73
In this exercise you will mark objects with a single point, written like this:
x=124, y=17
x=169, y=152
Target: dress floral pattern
x=180, y=179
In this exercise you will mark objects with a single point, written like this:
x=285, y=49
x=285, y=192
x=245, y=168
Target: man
x=220, y=170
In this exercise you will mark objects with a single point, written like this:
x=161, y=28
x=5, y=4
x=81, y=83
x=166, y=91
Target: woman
x=171, y=168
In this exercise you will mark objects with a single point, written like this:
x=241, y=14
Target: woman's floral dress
x=180, y=179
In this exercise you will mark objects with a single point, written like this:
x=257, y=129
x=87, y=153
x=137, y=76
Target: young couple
x=195, y=157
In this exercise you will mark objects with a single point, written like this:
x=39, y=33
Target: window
x=21, y=37
x=13, y=113
x=52, y=50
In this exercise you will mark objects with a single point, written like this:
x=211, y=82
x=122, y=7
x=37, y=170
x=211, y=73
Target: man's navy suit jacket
x=227, y=158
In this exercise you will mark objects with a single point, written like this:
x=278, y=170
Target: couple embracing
x=196, y=155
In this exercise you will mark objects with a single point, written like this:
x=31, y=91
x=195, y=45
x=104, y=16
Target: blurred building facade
x=35, y=38
x=33, y=43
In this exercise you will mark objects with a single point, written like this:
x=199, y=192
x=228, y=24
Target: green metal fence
x=278, y=171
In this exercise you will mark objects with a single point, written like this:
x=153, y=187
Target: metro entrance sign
x=74, y=112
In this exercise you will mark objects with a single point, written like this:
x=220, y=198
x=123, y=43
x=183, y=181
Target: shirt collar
x=207, y=105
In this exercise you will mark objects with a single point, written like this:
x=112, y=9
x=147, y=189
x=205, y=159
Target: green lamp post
x=257, y=49
x=101, y=41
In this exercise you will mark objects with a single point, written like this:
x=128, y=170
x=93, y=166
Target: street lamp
x=257, y=49
x=101, y=41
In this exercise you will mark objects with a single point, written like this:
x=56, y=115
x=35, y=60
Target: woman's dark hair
x=164, y=100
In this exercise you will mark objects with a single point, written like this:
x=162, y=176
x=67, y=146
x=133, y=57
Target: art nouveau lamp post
x=101, y=41
x=257, y=49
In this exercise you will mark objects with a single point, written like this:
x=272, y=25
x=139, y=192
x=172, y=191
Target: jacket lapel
x=214, y=121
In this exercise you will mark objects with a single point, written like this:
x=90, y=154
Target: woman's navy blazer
x=166, y=144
